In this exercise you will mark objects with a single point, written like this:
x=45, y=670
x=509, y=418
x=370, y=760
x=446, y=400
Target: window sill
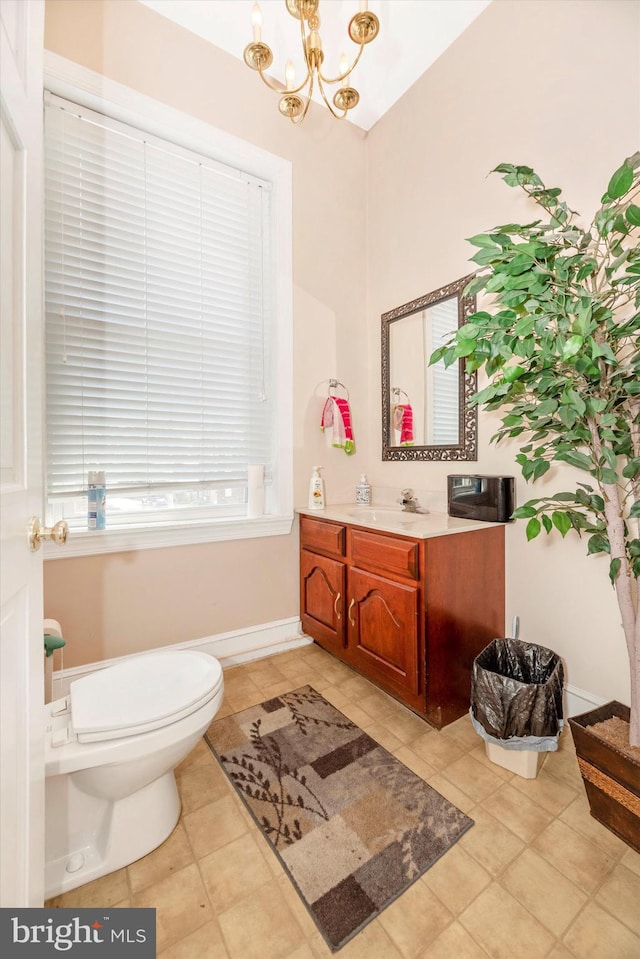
x=121, y=539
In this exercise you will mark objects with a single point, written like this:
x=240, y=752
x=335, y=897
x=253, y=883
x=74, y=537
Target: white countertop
x=392, y=519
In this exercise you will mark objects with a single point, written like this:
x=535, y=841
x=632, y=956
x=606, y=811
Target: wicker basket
x=611, y=777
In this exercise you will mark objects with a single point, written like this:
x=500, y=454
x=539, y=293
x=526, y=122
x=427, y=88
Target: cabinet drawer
x=323, y=536
x=387, y=554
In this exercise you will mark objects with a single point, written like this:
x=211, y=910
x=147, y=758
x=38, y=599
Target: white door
x=21, y=636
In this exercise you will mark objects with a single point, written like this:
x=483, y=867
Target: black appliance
x=488, y=498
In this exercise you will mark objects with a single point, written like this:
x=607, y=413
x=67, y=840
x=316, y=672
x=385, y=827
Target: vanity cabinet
x=410, y=614
x=323, y=586
x=384, y=638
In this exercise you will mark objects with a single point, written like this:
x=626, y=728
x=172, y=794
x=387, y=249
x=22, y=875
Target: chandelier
x=363, y=28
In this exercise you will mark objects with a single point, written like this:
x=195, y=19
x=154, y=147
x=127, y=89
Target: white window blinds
x=159, y=293
x=443, y=417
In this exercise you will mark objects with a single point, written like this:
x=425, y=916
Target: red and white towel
x=336, y=423
x=403, y=423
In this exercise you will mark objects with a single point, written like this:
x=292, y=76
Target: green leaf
x=586, y=270
x=524, y=512
x=634, y=512
x=608, y=476
x=540, y=467
x=546, y=408
x=598, y=543
x=572, y=346
x=480, y=318
x=575, y=458
x=465, y=347
x=619, y=225
x=485, y=255
x=482, y=240
x=512, y=373
x=495, y=283
x=468, y=332
x=582, y=321
x=524, y=326
x=519, y=264
x=561, y=522
x=632, y=468
x=546, y=522
x=511, y=420
x=614, y=569
x=620, y=182
x=573, y=399
x=475, y=286
x=633, y=214
x=533, y=529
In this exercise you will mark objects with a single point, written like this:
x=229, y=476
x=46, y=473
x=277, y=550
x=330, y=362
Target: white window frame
x=89, y=89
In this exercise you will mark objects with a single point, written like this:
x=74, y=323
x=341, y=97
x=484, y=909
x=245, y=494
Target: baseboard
x=578, y=701
x=238, y=646
x=256, y=642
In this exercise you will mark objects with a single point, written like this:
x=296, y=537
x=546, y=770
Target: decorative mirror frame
x=467, y=448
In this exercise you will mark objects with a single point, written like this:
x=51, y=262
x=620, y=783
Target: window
x=164, y=351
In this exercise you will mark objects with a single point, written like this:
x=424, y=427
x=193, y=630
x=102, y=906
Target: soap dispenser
x=316, y=489
x=363, y=491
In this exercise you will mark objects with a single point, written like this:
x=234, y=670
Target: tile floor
x=536, y=877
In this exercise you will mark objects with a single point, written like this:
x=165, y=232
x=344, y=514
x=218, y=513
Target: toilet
x=111, y=747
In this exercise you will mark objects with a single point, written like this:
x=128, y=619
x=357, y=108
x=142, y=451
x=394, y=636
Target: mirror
x=425, y=409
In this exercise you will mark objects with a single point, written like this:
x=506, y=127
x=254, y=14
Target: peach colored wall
x=531, y=81
x=554, y=85
x=129, y=602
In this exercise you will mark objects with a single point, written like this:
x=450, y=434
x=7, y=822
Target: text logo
x=34, y=933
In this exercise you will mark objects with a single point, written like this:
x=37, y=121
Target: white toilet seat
x=111, y=797
x=142, y=694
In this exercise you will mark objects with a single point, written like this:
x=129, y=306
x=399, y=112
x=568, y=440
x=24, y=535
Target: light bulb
x=344, y=66
x=256, y=22
x=290, y=74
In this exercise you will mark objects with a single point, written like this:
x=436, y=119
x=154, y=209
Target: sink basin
x=382, y=516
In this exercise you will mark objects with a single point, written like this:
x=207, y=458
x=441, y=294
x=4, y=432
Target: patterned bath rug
x=351, y=824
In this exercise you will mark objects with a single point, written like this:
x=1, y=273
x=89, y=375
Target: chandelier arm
x=304, y=112
x=309, y=95
x=299, y=119
x=277, y=86
x=338, y=116
x=302, y=85
x=309, y=75
x=343, y=76
x=303, y=34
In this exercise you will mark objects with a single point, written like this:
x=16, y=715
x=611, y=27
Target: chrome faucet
x=409, y=502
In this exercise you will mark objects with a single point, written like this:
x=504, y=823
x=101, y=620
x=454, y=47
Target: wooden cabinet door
x=383, y=630
x=322, y=600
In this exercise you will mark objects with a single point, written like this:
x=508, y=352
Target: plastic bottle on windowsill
x=96, y=500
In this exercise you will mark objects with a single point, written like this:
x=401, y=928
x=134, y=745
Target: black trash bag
x=516, y=691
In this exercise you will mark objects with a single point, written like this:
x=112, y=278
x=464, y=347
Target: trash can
x=516, y=703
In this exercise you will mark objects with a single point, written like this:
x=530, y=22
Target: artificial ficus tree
x=560, y=345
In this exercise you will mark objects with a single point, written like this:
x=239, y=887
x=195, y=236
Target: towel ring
x=334, y=384
x=397, y=391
